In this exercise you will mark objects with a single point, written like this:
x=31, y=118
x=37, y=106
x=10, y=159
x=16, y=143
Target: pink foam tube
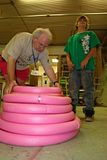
x=37, y=118
x=35, y=108
x=29, y=89
x=28, y=140
x=41, y=129
x=32, y=98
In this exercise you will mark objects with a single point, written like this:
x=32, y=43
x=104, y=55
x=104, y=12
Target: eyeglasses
x=42, y=44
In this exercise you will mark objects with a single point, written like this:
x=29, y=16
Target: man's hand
x=58, y=85
x=70, y=66
x=9, y=87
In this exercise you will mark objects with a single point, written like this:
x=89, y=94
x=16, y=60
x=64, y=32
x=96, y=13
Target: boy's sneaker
x=89, y=119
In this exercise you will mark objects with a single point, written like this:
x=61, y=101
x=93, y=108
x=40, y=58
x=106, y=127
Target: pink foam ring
x=28, y=140
x=32, y=98
x=37, y=118
x=35, y=108
x=41, y=129
x=29, y=89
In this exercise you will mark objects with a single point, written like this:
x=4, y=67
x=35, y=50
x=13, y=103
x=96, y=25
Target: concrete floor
x=89, y=144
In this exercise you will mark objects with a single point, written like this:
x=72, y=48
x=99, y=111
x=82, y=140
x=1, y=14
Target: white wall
x=56, y=50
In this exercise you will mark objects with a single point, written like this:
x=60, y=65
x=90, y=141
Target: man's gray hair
x=37, y=32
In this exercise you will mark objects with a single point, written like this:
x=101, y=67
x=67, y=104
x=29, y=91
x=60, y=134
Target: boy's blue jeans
x=84, y=78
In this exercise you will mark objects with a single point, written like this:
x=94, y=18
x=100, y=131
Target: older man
x=21, y=51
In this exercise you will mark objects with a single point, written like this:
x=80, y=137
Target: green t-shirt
x=78, y=47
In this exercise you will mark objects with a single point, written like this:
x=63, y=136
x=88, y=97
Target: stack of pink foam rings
x=37, y=116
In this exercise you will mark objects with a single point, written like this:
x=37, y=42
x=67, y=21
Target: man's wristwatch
x=55, y=82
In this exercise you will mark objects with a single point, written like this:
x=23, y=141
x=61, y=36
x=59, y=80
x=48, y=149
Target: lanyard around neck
x=35, y=59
